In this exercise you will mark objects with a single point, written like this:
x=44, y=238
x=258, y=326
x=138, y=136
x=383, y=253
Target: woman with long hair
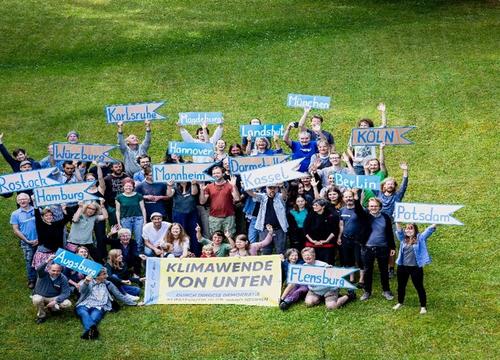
x=179, y=240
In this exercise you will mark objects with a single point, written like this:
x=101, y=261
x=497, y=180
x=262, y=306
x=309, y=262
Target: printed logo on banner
x=241, y=164
x=181, y=172
x=249, y=280
x=77, y=263
x=268, y=130
x=26, y=180
x=198, y=118
x=377, y=136
x=190, y=148
x=83, y=152
x=426, y=213
x=319, y=276
x=357, y=181
x=63, y=193
x=133, y=112
x=271, y=175
x=312, y=101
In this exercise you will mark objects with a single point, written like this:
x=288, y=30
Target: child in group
x=292, y=256
x=242, y=247
x=167, y=250
x=207, y=251
x=293, y=293
x=220, y=249
x=412, y=258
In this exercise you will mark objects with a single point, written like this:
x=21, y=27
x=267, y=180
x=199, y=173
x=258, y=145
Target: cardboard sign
x=77, y=263
x=133, y=112
x=312, y=101
x=183, y=172
x=63, y=193
x=271, y=175
x=249, y=280
x=268, y=130
x=241, y=164
x=320, y=276
x=190, y=148
x=357, y=181
x=198, y=118
x=83, y=152
x=26, y=180
x=426, y=213
x=376, y=136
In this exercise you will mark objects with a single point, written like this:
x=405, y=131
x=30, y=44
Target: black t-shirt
x=271, y=217
x=113, y=187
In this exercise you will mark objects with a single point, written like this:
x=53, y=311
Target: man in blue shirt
x=304, y=148
x=23, y=225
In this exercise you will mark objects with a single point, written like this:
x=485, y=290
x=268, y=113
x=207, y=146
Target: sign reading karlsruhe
x=319, y=276
x=190, y=148
x=241, y=164
x=376, y=136
x=426, y=213
x=267, y=130
x=357, y=181
x=181, y=172
x=26, y=180
x=63, y=193
x=271, y=175
x=312, y=101
x=82, y=152
x=133, y=112
x=77, y=263
x=249, y=280
x=199, y=118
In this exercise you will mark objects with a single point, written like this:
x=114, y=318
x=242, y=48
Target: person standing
x=131, y=149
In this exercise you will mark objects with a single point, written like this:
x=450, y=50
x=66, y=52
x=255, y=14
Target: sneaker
x=391, y=273
x=388, y=295
x=360, y=285
x=93, y=332
x=134, y=298
x=284, y=305
x=423, y=311
x=40, y=320
x=31, y=285
x=365, y=296
x=397, y=306
x=85, y=335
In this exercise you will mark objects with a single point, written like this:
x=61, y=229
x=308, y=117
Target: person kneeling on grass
x=412, y=258
x=96, y=296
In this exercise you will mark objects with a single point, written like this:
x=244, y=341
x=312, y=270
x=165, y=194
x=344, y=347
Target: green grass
x=435, y=65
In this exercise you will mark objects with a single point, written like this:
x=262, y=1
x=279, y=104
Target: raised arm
x=217, y=134
x=121, y=140
x=6, y=154
x=383, y=115
x=147, y=138
x=203, y=195
x=286, y=135
x=346, y=159
x=234, y=192
x=382, y=158
x=255, y=247
x=302, y=121
x=78, y=212
x=100, y=179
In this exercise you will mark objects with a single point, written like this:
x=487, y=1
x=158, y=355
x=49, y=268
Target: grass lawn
x=435, y=65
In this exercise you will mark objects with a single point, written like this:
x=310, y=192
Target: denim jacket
x=279, y=208
x=421, y=254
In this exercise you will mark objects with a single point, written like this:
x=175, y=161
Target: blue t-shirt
x=377, y=236
x=304, y=151
x=25, y=219
x=351, y=222
x=158, y=189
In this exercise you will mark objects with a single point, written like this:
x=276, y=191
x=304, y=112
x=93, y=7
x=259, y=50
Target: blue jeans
x=134, y=224
x=253, y=233
x=28, y=252
x=131, y=290
x=89, y=316
x=279, y=241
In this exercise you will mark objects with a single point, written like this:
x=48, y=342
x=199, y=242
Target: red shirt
x=221, y=199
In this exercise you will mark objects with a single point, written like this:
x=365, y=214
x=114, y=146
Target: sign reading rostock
x=250, y=280
x=376, y=136
x=133, y=112
x=63, y=193
x=77, y=263
x=26, y=180
x=190, y=148
x=241, y=164
x=271, y=175
x=267, y=130
x=199, y=118
x=181, y=172
x=82, y=152
x=319, y=276
x=426, y=213
x=312, y=101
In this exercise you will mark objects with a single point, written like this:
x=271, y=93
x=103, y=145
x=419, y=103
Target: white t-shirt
x=155, y=236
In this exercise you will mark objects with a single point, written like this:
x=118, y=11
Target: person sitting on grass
x=96, y=296
x=241, y=246
x=179, y=240
x=74, y=277
x=207, y=251
x=220, y=249
x=412, y=258
x=119, y=274
x=51, y=290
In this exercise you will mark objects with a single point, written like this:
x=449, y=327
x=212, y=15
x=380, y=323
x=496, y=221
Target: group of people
x=310, y=221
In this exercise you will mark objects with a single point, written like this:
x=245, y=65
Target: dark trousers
x=369, y=254
x=325, y=254
x=417, y=278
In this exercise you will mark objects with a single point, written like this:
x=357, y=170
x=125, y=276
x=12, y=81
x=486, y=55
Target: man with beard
x=114, y=187
x=131, y=149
